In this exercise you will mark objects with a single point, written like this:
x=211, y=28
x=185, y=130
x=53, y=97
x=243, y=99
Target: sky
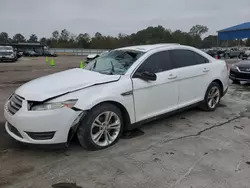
x=110, y=17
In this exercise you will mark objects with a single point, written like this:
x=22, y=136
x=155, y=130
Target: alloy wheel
x=213, y=97
x=105, y=128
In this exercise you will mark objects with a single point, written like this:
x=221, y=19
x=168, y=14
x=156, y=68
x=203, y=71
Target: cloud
x=118, y=16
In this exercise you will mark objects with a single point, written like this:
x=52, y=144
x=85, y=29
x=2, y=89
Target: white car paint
x=172, y=90
x=41, y=89
x=9, y=50
x=92, y=56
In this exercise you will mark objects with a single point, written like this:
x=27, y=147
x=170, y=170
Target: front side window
x=155, y=63
x=114, y=62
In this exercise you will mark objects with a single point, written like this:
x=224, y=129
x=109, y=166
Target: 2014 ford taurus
x=114, y=93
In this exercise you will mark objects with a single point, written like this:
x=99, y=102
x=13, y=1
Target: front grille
x=5, y=53
x=14, y=130
x=240, y=75
x=41, y=135
x=14, y=104
x=245, y=69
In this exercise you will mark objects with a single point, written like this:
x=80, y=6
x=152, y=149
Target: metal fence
x=75, y=51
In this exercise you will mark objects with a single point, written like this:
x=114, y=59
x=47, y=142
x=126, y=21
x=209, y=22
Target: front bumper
x=6, y=58
x=40, y=127
x=239, y=76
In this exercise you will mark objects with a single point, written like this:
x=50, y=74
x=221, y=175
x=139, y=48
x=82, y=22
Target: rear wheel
x=101, y=128
x=212, y=97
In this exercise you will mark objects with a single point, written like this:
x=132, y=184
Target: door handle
x=205, y=70
x=171, y=77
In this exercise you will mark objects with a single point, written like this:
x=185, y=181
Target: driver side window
x=157, y=62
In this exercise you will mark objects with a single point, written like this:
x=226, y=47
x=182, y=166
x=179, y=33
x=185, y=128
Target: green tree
x=19, y=38
x=209, y=41
x=64, y=35
x=248, y=42
x=83, y=40
x=33, y=38
x=43, y=40
x=98, y=35
x=198, y=30
x=4, y=37
x=149, y=35
x=55, y=35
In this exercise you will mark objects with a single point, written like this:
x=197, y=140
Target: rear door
x=192, y=72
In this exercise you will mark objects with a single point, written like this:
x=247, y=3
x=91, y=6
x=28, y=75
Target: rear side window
x=182, y=58
x=155, y=63
x=200, y=59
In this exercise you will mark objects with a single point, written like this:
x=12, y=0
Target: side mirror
x=146, y=76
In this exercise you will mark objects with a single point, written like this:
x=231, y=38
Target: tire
x=207, y=105
x=236, y=82
x=87, y=130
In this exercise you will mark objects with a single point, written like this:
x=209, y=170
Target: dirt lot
x=193, y=149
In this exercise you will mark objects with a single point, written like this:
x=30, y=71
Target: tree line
x=150, y=35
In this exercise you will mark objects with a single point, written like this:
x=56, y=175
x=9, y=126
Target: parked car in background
x=240, y=71
x=46, y=53
x=246, y=54
x=216, y=53
x=49, y=54
x=234, y=53
x=212, y=53
x=19, y=54
x=7, y=54
x=30, y=53
x=117, y=92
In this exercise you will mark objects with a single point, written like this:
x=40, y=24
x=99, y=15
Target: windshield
x=114, y=62
x=5, y=48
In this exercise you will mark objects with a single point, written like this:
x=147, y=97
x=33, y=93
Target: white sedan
x=116, y=92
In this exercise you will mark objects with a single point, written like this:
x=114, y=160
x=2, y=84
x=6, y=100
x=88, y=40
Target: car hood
x=61, y=83
x=245, y=63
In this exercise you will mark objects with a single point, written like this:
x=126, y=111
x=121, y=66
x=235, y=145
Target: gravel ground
x=193, y=149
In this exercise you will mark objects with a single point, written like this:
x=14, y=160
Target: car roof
x=146, y=48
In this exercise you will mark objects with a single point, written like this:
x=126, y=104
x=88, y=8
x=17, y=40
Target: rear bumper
x=239, y=76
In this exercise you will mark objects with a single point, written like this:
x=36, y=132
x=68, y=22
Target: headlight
x=235, y=67
x=54, y=105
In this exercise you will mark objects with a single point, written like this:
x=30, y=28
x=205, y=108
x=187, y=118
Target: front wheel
x=101, y=128
x=212, y=97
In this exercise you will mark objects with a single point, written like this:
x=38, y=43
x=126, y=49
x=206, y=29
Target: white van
x=7, y=54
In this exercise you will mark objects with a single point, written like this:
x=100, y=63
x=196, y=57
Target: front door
x=152, y=98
